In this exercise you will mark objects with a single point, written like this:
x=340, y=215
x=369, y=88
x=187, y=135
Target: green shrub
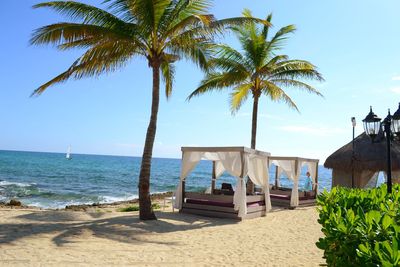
x=361, y=227
x=156, y=206
x=136, y=208
x=129, y=208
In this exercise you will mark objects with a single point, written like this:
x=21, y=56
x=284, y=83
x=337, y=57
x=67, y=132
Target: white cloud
x=313, y=130
x=396, y=78
x=395, y=90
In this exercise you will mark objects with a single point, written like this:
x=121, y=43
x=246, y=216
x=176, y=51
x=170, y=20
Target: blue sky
x=354, y=43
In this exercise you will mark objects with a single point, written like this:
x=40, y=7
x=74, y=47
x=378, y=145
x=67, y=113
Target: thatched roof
x=367, y=155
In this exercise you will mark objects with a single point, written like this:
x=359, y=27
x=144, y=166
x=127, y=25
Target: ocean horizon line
x=83, y=154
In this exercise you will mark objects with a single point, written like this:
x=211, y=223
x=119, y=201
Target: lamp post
x=353, y=122
x=387, y=128
x=391, y=128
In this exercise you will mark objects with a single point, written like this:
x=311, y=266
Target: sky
x=355, y=45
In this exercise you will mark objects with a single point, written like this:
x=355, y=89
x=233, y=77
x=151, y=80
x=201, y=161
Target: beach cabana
x=240, y=162
x=292, y=166
x=365, y=162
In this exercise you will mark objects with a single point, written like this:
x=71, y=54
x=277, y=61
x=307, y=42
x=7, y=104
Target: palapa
x=368, y=155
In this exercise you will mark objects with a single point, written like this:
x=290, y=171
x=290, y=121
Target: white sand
x=67, y=238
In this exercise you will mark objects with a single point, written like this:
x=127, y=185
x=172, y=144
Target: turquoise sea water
x=48, y=180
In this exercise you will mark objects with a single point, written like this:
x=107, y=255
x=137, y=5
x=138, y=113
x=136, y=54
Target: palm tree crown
x=258, y=69
x=162, y=31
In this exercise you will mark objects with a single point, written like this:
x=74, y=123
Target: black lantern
x=372, y=124
x=391, y=127
x=396, y=123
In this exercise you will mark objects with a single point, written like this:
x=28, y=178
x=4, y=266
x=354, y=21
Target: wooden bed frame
x=281, y=197
x=226, y=210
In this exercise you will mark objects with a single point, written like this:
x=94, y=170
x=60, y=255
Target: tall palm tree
x=162, y=31
x=257, y=69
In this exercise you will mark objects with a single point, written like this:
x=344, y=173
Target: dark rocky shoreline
x=16, y=204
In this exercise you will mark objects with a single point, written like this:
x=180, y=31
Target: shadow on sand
x=125, y=228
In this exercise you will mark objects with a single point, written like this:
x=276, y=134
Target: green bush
x=361, y=227
x=155, y=206
x=129, y=208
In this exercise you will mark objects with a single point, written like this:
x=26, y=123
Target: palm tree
x=257, y=70
x=162, y=31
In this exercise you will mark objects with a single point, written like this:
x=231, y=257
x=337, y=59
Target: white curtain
x=219, y=170
x=373, y=181
x=189, y=161
x=258, y=173
x=278, y=180
x=294, y=199
x=289, y=167
x=232, y=163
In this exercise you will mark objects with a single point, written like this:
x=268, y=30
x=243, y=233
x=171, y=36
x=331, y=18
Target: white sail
x=68, y=156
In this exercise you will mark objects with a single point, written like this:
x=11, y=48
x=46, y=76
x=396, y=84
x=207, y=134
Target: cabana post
x=213, y=178
x=316, y=181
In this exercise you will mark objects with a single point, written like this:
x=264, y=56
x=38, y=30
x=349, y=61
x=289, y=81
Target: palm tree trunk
x=254, y=122
x=145, y=210
x=250, y=184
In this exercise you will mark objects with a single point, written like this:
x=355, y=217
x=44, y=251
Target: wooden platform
x=219, y=211
x=281, y=198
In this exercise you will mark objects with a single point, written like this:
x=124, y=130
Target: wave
x=6, y=183
x=111, y=199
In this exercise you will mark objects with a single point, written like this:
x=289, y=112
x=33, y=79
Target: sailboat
x=68, y=155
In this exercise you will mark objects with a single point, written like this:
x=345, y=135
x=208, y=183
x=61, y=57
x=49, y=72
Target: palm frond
x=216, y=81
x=103, y=58
x=64, y=32
x=122, y=8
x=171, y=14
x=265, y=30
x=86, y=13
x=227, y=65
x=220, y=26
x=297, y=84
x=197, y=52
x=168, y=74
x=270, y=65
x=198, y=6
x=58, y=79
x=70, y=32
x=277, y=94
x=228, y=59
x=176, y=15
x=280, y=37
x=295, y=69
x=189, y=22
x=239, y=96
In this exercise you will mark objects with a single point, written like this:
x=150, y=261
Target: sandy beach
x=106, y=237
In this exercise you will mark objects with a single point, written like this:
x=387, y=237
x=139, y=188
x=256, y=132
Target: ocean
x=49, y=180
